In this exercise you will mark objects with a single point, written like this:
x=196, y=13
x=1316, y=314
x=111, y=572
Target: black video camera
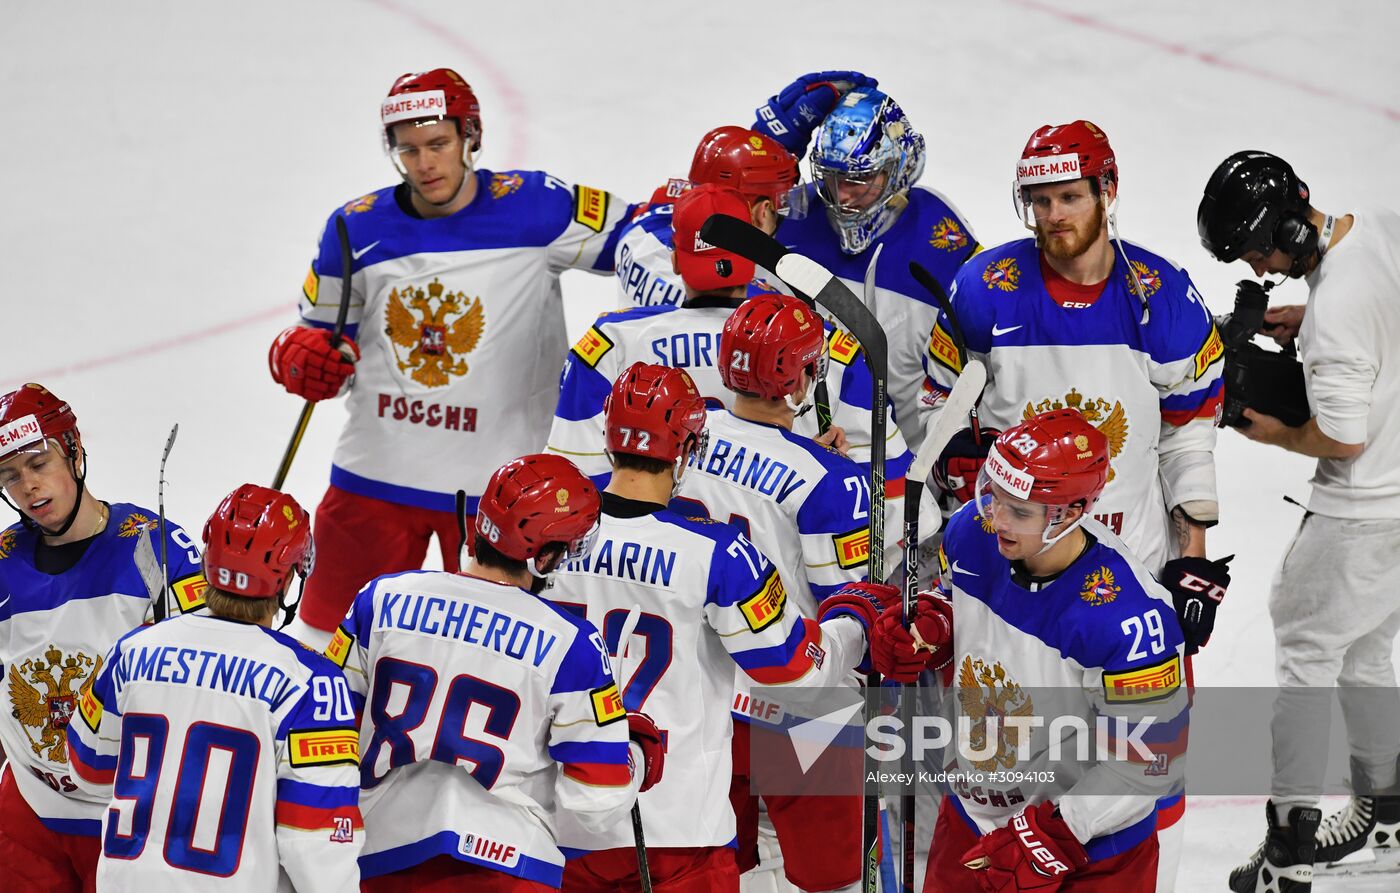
x=1266, y=381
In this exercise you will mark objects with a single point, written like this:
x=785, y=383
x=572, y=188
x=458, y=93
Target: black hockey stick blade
x=304, y=419
x=744, y=239
x=935, y=288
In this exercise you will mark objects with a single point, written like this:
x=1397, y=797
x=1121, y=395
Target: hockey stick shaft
x=303, y=420
x=935, y=288
x=639, y=838
x=805, y=274
x=162, y=607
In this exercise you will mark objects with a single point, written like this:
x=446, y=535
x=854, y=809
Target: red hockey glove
x=1197, y=586
x=862, y=601
x=303, y=361
x=955, y=472
x=647, y=737
x=894, y=651
x=1036, y=851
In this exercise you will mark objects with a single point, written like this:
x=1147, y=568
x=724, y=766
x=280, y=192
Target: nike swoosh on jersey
x=959, y=569
x=356, y=255
x=998, y=330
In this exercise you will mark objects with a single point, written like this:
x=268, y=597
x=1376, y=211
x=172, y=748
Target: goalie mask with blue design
x=866, y=158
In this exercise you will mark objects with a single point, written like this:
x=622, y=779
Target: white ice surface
x=166, y=167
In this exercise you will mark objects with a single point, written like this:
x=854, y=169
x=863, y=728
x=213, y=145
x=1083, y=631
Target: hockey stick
x=806, y=275
x=305, y=418
x=461, y=524
x=162, y=607
x=639, y=837
x=935, y=288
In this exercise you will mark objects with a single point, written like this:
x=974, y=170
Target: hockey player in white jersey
x=1043, y=613
x=807, y=508
x=706, y=599
x=455, y=279
x=487, y=711
x=76, y=574
x=715, y=282
x=228, y=751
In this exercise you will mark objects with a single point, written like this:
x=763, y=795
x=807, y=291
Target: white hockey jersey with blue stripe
x=460, y=327
x=229, y=754
x=708, y=600
x=1098, y=641
x=55, y=630
x=487, y=713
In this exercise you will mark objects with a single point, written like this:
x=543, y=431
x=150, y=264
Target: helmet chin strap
x=1051, y=541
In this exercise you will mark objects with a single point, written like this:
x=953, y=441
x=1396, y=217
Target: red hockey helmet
x=30, y=416
x=1055, y=458
x=654, y=412
x=766, y=344
x=705, y=267
x=537, y=500
x=1059, y=152
x=437, y=94
x=255, y=540
x=756, y=165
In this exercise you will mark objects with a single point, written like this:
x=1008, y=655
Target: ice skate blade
x=1362, y=863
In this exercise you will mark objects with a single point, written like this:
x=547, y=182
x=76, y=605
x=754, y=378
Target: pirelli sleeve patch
x=324, y=747
x=762, y=609
x=591, y=207
x=1210, y=352
x=189, y=592
x=1144, y=683
x=593, y=346
x=942, y=349
x=842, y=347
x=339, y=648
x=90, y=708
x=310, y=286
x=852, y=549
x=607, y=704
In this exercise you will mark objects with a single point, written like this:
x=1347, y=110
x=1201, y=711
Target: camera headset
x=1255, y=202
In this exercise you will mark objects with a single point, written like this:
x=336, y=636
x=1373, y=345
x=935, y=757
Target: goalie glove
x=1197, y=586
x=1036, y=851
x=795, y=113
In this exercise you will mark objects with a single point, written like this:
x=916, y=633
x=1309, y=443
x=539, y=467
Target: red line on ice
x=1178, y=49
x=286, y=311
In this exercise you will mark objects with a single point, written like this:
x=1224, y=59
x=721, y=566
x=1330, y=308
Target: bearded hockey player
x=706, y=600
x=489, y=712
x=76, y=574
x=716, y=282
x=1044, y=603
x=455, y=278
x=228, y=751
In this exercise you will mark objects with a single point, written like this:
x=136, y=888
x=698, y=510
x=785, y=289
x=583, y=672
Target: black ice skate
x=1284, y=861
x=1366, y=823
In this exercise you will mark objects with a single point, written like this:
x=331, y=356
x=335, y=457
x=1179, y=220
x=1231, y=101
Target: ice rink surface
x=167, y=168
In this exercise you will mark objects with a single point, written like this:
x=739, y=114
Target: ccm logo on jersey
x=189, y=592
x=1147, y=684
x=593, y=346
x=852, y=549
x=324, y=747
x=765, y=605
x=842, y=347
x=339, y=648
x=591, y=207
x=942, y=349
x=1210, y=352
x=607, y=704
x=90, y=709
